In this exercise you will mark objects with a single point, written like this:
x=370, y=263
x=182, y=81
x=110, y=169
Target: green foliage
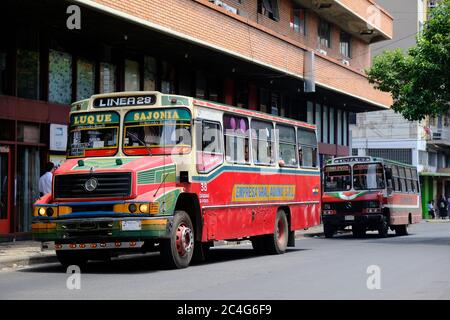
x=419, y=81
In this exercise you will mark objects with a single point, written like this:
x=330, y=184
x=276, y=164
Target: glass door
x=5, y=191
x=28, y=165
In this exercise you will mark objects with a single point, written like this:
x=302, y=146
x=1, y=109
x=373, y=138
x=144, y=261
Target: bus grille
x=349, y=207
x=109, y=185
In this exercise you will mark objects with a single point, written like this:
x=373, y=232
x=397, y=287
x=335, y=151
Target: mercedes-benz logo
x=348, y=205
x=91, y=184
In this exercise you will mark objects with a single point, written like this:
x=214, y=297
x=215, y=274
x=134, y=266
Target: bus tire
x=328, y=230
x=177, y=251
x=383, y=228
x=70, y=258
x=401, y=230
x=276, y=243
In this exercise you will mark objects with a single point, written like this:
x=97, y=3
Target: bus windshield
x=93, y=134
x=157, y=131
x=368, y=176
x=337, y=178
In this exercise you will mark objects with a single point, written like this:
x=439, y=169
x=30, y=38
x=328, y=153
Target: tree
x=419, y=80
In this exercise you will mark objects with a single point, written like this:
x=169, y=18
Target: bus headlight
x=143, y=208
x=327, y=206
x=41, y=212
x=132, y=208
x=50, y=212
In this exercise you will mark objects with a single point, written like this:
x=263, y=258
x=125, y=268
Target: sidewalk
x=26, y=253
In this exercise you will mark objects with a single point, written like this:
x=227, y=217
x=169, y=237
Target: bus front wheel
x=328, y=230
x=383, y=228
x=401, y=230
x=277, y=242
x=177, y=251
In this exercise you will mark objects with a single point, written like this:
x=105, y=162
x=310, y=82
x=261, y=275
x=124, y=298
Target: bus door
x=5, y=190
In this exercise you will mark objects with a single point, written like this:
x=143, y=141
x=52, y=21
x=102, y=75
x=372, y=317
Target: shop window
x=107, y=77
x=345, y=44
x=324, y=33
x=184, y=82
x=60, y=77
x=242, y=94
x=27, y=74
x=132, y=76
x=167, y=78
x=213, y=88
x=269, y=8
x=150, y=73
x=287, y=145
x=298, y=21
x=263, y=143
x=236, y=136
x=85, y=79
x=275, y=103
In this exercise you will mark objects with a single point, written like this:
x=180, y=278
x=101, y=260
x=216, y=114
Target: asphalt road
x=416, y=266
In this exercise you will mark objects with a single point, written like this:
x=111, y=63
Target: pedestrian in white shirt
x=45, y=181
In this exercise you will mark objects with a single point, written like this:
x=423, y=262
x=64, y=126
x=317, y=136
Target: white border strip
x=259, y=204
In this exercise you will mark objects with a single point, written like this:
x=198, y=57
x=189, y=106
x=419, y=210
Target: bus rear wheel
x=277, y=242
x=401, y=230
x=177, y=251
x=383, y=228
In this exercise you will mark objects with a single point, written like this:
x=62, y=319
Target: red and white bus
x=149, y=171
x=369, y=193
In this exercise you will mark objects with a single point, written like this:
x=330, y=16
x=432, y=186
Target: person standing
x=431, y=209
x=45, y=181
x=443, y=206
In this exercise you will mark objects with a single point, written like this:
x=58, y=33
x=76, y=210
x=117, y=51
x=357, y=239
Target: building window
x=324, y=33
x=263, y=100
x=107, y=77
x=269, y=8
x=149, y=73
x=298, y=21
x=310, y=112
x=339, y=127
x=200, y=85
x=85, y=79
x=275, y=103
x=28, y=74
x=167, y=78
x=399, y=155
x=318, y=122
x=345, y=44
x=60, y=77
x=132, y=76
x=325, y=124
x=2, y=72
x=332, y=140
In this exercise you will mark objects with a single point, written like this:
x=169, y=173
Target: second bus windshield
x=364, y=176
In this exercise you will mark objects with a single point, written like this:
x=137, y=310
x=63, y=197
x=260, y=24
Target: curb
x=26, y=261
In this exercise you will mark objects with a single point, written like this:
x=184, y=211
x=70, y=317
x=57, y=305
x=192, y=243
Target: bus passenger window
x=307, y=147
x=236, y=134
x=287, y=145
x=262, y=142
x=209, y=147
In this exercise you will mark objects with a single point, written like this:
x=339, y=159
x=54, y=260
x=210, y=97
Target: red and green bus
x=369, y=193
x=147, y=171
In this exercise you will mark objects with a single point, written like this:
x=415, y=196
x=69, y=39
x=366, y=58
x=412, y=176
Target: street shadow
x=151, y=262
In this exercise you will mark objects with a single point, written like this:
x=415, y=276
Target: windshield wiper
x=145, y=144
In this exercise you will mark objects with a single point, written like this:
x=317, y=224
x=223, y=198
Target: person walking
x=443, y=206
x=431, y=209
x=45, y=181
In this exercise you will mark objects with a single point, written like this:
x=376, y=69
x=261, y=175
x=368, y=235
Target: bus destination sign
x=124, y=101
x=352, y=159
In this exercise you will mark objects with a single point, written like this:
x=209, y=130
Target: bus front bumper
x=343, y=221
x=101, y=230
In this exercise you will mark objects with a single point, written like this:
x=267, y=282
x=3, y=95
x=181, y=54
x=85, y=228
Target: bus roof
x=359, y=159
x=112, y=101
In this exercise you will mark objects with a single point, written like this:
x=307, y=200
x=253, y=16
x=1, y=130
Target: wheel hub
x=185, y=240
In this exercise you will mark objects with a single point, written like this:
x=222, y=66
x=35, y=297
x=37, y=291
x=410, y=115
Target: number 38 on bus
x=148, y=171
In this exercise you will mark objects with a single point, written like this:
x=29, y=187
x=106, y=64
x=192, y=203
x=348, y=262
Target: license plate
x=349, y=218
x=131, y=225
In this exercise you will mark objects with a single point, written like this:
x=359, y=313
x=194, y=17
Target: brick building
x=302, y=59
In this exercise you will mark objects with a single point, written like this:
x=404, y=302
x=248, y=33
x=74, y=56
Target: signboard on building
x=58, y=137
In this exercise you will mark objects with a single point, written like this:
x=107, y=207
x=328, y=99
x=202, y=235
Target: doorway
x=5, y=190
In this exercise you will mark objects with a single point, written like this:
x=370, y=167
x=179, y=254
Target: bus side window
x=236, y=136
x=209, y=146
x=307, y=147
x=287, y=145
x=263, y=142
